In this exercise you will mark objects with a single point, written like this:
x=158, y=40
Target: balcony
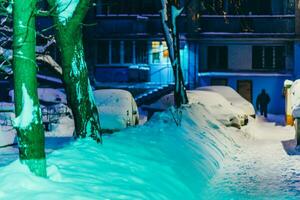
x=244, y=25
x=126, y=25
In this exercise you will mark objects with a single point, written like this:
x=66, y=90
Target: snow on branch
x=48, y=59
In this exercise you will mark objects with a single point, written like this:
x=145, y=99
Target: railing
x=244, y=24
x=132, y=24
x=162, y=75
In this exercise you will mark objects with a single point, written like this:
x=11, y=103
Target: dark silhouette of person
x=262, y=101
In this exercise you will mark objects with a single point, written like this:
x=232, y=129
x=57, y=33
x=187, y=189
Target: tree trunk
x=75, y=71
x=28, y=121
x=169, y=15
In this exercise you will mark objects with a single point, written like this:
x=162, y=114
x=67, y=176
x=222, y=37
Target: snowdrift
x=156, y=161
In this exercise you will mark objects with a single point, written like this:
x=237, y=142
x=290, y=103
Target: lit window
x=155, y=52
x=165, y=50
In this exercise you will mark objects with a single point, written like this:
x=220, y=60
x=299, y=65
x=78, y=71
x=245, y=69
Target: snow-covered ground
x=156, y=161
x=200, y=159
x=262, y=168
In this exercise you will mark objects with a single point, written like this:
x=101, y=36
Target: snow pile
x=156, y=161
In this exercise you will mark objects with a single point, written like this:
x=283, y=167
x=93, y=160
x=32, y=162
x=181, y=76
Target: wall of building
x=297, y=60
x=272, y=83
x=239, y=57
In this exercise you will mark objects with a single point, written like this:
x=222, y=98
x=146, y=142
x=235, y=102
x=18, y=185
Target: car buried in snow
x=213, y=102
x=117, y=109
x=235, y=99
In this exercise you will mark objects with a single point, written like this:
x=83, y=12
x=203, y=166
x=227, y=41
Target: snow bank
x=232, y=96
x=156, y=161
x=262, y=169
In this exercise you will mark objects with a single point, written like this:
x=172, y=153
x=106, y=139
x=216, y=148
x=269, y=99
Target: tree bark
x=29, y=120
x=169, y=15
x=75, y=71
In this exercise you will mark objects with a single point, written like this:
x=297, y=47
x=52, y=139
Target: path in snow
x=261, y=169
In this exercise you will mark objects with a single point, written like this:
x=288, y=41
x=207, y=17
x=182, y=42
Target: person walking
x=262, y=101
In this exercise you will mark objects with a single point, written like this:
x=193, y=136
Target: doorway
x=244, y=88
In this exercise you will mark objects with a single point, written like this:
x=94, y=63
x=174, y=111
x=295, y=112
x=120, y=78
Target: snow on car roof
x=48, y=95
x=232, y=96
x=225, y=91
x=112, y=96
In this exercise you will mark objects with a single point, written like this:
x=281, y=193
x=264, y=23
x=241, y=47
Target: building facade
x=249, y=49
x=249, y=45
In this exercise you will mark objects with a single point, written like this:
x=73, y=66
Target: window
x=141, y=51
x=128, y=52
x=241, y=7
x=115, y=51
x=259, y=7
x=156, y=52
x=214, y=7
x=217, y=57
x=268, y=57
x=103, y=52
x=165, y=50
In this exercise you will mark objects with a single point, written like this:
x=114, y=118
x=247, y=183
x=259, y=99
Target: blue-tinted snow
x=156, y=161
x=201, y=159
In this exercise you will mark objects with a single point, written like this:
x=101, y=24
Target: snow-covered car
x=233, y=97
x=213, y=102
x=47, y=96
x=117, y=109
